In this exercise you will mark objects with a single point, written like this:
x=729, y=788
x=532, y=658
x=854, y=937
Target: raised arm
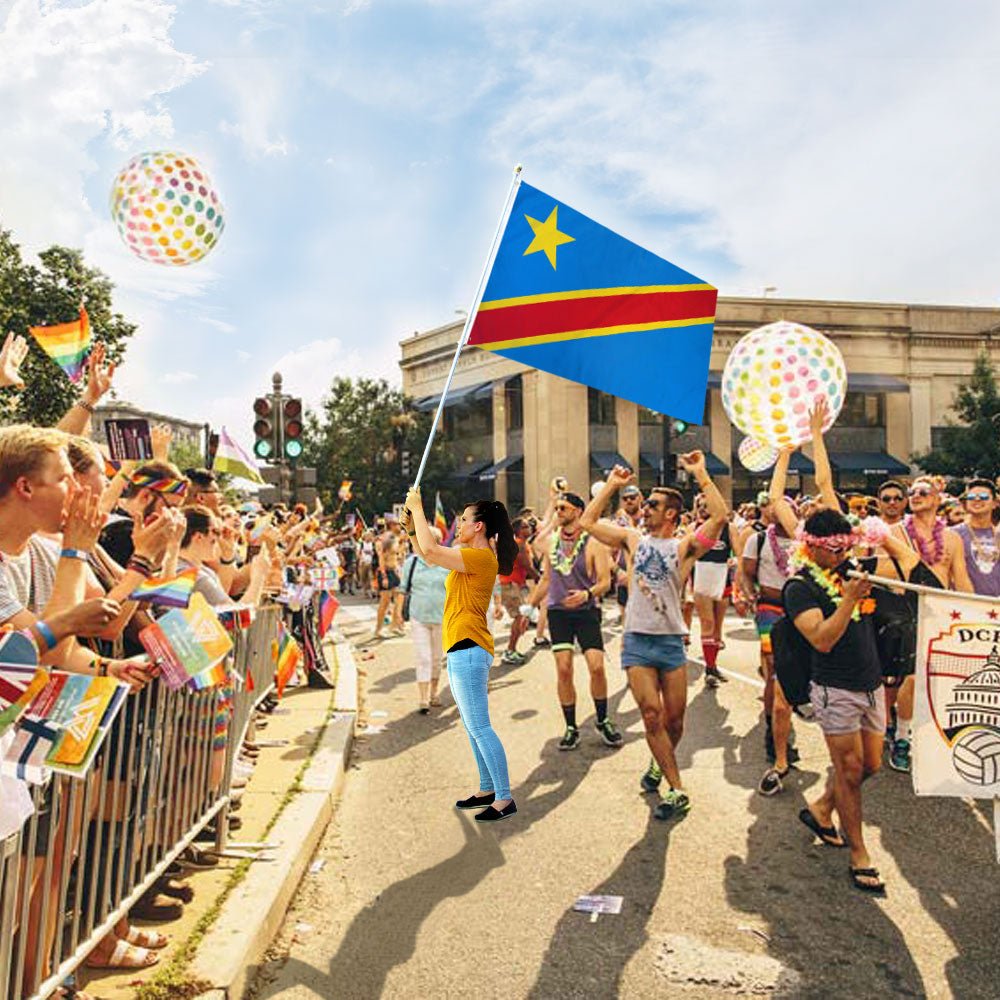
x=76, y=420
x=693, y=545
x=607, y=531
x=780, y=507
x=824, y=474
x=430, y=548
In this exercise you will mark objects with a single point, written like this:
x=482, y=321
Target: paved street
x=417, y=900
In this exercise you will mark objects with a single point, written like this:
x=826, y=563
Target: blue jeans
x=468, y=671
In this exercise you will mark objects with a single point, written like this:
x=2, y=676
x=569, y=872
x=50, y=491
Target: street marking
x=735, y=674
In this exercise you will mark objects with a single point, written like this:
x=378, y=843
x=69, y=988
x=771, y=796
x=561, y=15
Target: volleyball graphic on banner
x=976, y=756
x=773, y=378
x=166, y=208
x=755, y=455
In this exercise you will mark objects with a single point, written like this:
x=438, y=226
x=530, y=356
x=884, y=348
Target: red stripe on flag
x=539, y=319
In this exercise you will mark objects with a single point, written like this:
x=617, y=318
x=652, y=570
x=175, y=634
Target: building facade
x=512, y=428
x=185, y=431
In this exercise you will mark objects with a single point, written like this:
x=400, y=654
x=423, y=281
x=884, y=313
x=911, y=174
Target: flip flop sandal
x=857, y=874
x=126, y=956
x=435, y=703
x=142, y=938
x=152, y=907
x=828, y=834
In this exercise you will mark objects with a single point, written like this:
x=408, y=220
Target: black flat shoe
x=476, y=801
x=490, y=815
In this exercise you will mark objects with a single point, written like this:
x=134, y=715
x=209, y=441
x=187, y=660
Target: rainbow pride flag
x=171, y=591
x=328, y=605
x=67, y=344
x=440, y=521
x=287, y=654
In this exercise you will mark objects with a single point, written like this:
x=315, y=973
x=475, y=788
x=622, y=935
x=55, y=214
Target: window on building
x=514, y=403
x=862, y=409
x=468, y=419
x=601, y=407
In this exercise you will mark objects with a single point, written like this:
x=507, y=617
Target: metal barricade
x=95, y=845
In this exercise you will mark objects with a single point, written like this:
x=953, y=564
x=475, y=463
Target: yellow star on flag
x=547, y=236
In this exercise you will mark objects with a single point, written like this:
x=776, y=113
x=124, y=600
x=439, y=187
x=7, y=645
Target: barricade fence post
x=95, y=844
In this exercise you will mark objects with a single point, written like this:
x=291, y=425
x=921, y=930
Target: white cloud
x=355, y=7
x=243, y=356
x=178, y=378
x=837, y=151
x=220, y=324
x=67, y=76
x=259, y=89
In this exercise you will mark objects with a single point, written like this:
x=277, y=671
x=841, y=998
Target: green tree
x=361, y=434
x=972, y=447
x=44, y=294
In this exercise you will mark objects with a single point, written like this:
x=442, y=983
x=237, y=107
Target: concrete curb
x=235, y=944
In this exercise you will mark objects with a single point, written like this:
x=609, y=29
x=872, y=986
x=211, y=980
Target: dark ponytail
x=494, y=516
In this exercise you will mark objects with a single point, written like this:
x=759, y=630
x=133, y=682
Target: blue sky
x=363, y=148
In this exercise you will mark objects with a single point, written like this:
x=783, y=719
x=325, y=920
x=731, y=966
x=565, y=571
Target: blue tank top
x=565, y=578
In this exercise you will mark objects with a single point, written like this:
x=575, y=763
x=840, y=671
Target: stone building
x=185, y=431
x=513, y=428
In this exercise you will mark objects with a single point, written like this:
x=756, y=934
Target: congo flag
x=68, y=344
x=570, y=297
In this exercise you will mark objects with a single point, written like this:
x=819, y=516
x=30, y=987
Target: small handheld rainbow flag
x=172, y=591
x=328, y=605
x=67, y=344
x=440, y=521
x=287, y=655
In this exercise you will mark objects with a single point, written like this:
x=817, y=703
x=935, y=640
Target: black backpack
x=793, y=656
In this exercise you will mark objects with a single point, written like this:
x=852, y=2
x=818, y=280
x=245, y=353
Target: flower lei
x=931, y=557
x=778, y=551
x=832, y=585
x=562, y=563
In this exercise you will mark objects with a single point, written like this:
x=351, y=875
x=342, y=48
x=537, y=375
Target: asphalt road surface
x=415, y=899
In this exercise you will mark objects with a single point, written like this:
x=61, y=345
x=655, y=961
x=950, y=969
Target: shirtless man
x=942, y=551
x=387, y=578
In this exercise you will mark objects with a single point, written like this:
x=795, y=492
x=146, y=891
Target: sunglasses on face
x=984, y=495
x=560, y=507
x=920, y=491
x=654, y=504
x=892, y=498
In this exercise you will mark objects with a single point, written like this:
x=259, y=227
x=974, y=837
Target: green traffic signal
x=293, y=448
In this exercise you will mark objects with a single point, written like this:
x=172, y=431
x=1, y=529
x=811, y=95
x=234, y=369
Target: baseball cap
x=574, y=499
x=630, y=491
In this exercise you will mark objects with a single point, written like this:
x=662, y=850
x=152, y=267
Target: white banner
x=956, y=719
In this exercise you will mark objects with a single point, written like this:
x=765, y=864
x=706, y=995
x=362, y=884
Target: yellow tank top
x=467, y=599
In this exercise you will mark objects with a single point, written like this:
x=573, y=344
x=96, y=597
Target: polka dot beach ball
x=755, y=455
x=166, y=209
x=774, y=376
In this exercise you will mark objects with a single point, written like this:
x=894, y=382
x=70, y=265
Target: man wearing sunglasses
x=892, y=502
x=980, y=538
x=653, y=652
x=576, y=574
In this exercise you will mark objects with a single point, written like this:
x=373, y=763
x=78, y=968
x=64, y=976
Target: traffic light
x=292, y=417
x=213, y=447
x=264, y=428
x=404, y=463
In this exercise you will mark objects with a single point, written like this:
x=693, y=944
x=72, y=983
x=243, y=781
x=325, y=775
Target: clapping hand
x=160, y=435
x=82, y=521
x=99, y=375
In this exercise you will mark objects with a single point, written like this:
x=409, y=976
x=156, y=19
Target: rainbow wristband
x=45, y=631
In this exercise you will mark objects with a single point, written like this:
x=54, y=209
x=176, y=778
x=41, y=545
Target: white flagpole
x=917, y=588
x=469, y=318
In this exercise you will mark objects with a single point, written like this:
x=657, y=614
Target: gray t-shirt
x=208, y=585
x=654, y=593
x=26, y=580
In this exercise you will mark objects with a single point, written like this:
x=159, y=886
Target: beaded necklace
x=561, y=562
x=832, y=585
x=932, y=558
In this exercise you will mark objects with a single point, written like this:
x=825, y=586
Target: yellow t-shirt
x=467, y=599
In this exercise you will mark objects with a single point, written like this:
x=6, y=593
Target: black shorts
x=583, y=626
x=388, y=581
x=622, y=594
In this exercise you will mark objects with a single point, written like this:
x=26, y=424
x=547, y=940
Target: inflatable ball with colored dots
x=755, y=455
x=774, y=377
x=166, y=209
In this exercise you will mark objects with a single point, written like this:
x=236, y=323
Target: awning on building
x=464, y=394
x=607, y=460
x=714, y=465
x=868, y=463
x=802, y=464
x=490, y=472
x=860, y=382
x=715, y=380
x=461, y=475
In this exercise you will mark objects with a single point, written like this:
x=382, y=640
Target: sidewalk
x=287, y=802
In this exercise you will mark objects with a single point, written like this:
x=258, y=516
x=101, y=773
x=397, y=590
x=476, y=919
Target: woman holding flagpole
x=484, y=544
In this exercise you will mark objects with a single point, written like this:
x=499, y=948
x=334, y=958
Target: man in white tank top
x=653, y=645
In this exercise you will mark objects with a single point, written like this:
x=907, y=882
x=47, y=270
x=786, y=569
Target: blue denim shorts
x=642, y=649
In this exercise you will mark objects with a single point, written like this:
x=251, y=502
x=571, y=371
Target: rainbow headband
x=144, y=482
